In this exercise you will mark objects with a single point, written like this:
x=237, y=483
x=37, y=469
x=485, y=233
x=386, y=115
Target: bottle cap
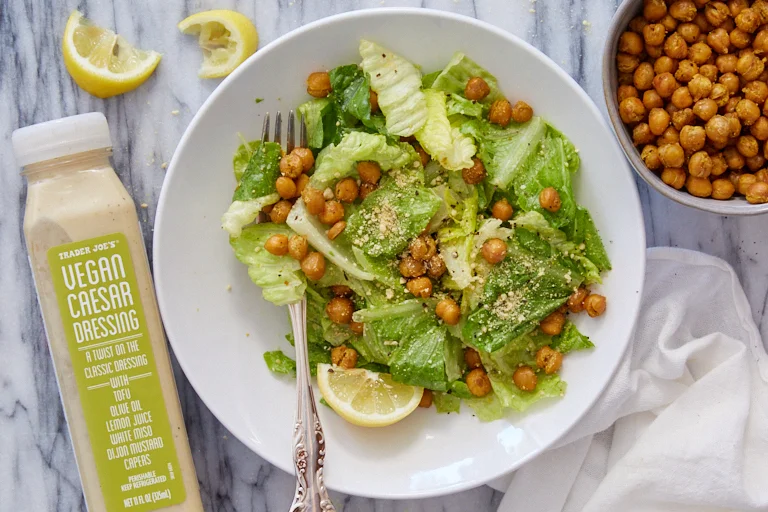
x=61, y=137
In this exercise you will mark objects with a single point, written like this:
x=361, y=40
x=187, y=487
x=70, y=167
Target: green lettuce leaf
x=445, y=402
x=383, y=269
x=454, y=77
x=243, y=156
x=583, y=231
x=398, y=85
x=280, y=277
x=510, y=396
x=459, y=105
x=242, y=213
x=454, y=359
x=487, y=408
x=506, y=151
x=320, y=118
x=390, y=217
x=405, y=308
x=351, y=91
x=571, y=339
x=338, y=161
x=277, y=362
x=444, y=143
x=371, y=346
x=419, y=359
x=428, y=79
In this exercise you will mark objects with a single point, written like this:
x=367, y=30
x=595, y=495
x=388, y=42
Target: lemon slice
x=102, y=62
x=227, y=38
x=366, y=398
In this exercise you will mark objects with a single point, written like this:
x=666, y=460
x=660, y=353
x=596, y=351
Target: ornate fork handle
x=308, y=438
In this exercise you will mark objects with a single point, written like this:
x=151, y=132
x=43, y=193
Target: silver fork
x=308, y=438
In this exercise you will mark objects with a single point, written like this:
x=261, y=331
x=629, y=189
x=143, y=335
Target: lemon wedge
x=366, y=398
x=102, y=62
x=226, y=37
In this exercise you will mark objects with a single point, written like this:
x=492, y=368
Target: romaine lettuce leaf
x=351, y=91
x=446, y=402
x=518, y=293
x=243, y=156
x=428, y=79
x=277, y=362
x=583, y=231
x=383, y=269
x=398, y=84
x=371, y=346
x=390, y=217
x=510, y=396
x=242, y=213
x=279, y=277
x=338, y=161
x=320, y=118
x=571, y=339
x=444, y=143
x=454, y=359
x=487, y=408
x=454, y=77
x=406, y=308
x=459, y=105
x=505, y=151
x=308, y=225
x=419, y=359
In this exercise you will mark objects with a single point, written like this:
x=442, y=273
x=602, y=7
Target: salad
x=432, y=226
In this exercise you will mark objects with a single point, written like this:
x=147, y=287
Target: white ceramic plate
x=219, y=336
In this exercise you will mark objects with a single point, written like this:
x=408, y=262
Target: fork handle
x=308, y=438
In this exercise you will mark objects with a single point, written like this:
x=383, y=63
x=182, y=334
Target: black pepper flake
x=378, y=75
x=384, y=55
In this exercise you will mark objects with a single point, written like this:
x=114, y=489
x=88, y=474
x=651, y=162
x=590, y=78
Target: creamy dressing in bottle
x=96, y=295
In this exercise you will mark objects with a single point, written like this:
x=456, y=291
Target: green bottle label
x=116, y=375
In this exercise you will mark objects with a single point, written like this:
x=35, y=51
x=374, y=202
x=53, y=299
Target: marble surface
x=37, y=467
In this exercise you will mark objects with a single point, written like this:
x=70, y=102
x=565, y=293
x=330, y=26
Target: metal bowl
x=734, y=206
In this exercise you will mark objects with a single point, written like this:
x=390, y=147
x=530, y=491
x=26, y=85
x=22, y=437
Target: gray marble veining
x=37, y=468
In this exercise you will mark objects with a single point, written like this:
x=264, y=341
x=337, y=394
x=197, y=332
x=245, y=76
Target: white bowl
x=219, y=336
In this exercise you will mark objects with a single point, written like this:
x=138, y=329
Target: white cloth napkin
x=683, y=426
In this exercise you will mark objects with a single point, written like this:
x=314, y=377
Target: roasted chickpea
x=762, y=175
x=549, y=199
x=522, y=112
x=502, y=210
x=341, y=290
x=357, y=327
x=675, y=47
x=373, y=99
x=760, y=43
x=420, y=287
x=654, y=10
x=759, y=129
x=717, y=128
x=319, y=84
x=475, y=174
x=472, y=358
x=722, y=189
x=757, y=193
x=595, y=305
x=626, y=91
x=749, y=66
x=686, y=70
x=748, y=21
x=369, y=172
x=333, y=212
x=756, y=91
x=426, y=399
x=700, y=20
x=734, y=124
x=301, y=183
x=477, y=88
x=314, y=200
x=682, y=98
x=745, y=181
x=761, y=8
x=683, y=118
x=336, y=229
x=700, y=164
x=716, y=13
x=553, y=324
x=653, y=52
x=478, y=382
x=699, y=53
x=422, y=247
x=525, y=378
x=719, y=94
x=411, y=267
x=298, y=247
x=692, y=138
x=719, y=165
x=641, y=134
x=674, y=177
x=654, y=34
x=733, y=159
x=731, y=82
x=672, y=155
x=494, y=250
x=730, y=105
x=339, y=310
x=306, y=157
x=669, y=23
x=705, y=109
x=436, y=267
x=344, y=356
x=683, y=10
x=313, y=266
x=286, y=187
x=448, y=311
x=756, y=162
x=637, y=24
x=664, y=64
x=719, y=40
x=689, y=31
x=747, y=145
x=576, y=300
x=699, y=187
x=280, y=211
x=642, y=78
x=739, y=38
x=736, y=6
x=501, y=110
x=748, y=112
x=277, y=245
x=700, y=87
x=670, y=136
x=367, y=188
x=726, y=63
x=658, y=120
x=291, y=166
x=709, y=71
x=650, y=156
x=347, y=190
x=549, y=360
x=665, y=84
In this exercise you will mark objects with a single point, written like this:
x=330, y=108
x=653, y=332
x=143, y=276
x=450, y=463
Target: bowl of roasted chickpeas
x=686, y=86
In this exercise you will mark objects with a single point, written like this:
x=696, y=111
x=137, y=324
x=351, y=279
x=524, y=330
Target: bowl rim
x=734, y=206
x=632, y=315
